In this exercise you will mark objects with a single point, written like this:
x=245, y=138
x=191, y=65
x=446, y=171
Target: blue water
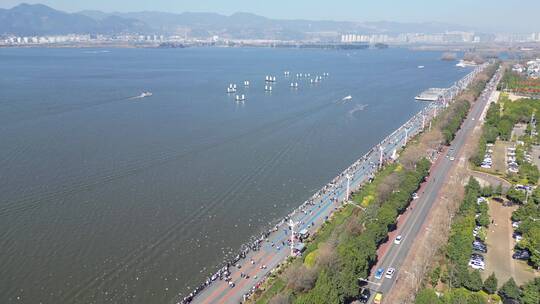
x=109, y=199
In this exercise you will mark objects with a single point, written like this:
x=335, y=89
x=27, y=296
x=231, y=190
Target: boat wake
x=357, y=108
x=142, y=95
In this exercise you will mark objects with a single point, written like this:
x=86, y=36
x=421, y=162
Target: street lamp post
x=349, y=177
x=406, y=136
x=381, y=149
x=292, y=224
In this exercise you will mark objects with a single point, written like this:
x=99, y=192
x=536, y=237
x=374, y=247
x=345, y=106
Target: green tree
x=531, y=292
x=490, y=284
x=457, y=296
x=516, y=196
x=498, y=190
x=435, y=274
x=487, y=191
x=474, y=281
x=324, y=292
x=536, y=195
x=427, y=296
x=476, y=298
x=509, y=290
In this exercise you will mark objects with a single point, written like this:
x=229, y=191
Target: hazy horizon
x=483, y=15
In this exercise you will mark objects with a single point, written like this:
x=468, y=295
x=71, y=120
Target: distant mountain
x=246, y=25
x=423, y=27
x=38, y=19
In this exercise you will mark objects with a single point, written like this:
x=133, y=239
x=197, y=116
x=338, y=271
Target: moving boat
x=240, y=97
x=347, y=98
x=145, y=94
x=420, y=66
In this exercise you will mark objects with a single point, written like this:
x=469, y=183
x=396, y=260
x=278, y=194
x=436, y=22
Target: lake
x=108, y=198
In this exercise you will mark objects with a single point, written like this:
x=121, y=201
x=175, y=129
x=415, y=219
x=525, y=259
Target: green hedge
x=357, y=254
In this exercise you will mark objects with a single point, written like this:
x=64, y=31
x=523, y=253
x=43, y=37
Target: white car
x=477, y=265
x=415, y=196
x=390, y=273
x=398, y=239
x=452, y=158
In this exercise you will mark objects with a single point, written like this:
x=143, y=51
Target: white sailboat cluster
x=231, y=88
x=270, y=81
x=270, y=78
x=240, y=98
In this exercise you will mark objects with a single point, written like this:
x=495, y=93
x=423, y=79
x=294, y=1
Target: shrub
x=490, y=285
x=509, y=290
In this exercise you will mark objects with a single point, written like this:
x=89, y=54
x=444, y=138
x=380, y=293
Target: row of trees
x=529, y=216
x=519, y=83
x=452, y=120
x=356, y=249
x=459, y=247
x=527, y=294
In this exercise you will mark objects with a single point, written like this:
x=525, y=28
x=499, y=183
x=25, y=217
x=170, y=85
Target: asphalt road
x=429, y=194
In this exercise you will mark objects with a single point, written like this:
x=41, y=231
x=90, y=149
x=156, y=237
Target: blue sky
x=503, y=15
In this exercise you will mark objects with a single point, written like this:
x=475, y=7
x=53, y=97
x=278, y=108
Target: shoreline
x=331, y=194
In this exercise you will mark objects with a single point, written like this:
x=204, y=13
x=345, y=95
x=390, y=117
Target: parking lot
x=495, y=157
x=500, y=248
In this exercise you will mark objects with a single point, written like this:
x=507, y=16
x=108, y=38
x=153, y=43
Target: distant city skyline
x=486, y=15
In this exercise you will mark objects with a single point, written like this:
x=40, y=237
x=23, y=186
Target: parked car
x=479, y=248
x=521, y=255
x=364, y=296
x=477, y=264
x=379, y=273
x=378, y=298
x=477, y=256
